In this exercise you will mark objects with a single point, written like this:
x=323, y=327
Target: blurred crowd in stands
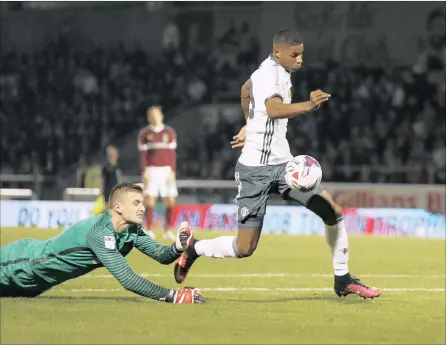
x=61, y=104
x=379, y=126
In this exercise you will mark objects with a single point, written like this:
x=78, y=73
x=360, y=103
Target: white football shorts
x=159, y=183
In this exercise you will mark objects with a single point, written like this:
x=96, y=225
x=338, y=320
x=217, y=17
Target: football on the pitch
x=303, y=173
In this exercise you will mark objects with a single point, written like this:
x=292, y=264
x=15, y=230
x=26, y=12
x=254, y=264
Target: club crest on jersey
x=149, y=137
x=243, y=212
x=165, y=138
x=110, y=242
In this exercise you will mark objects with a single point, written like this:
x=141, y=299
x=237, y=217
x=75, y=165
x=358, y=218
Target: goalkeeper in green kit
x=30, y=267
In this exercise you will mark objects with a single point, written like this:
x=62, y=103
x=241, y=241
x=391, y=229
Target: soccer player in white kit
x=266, y=101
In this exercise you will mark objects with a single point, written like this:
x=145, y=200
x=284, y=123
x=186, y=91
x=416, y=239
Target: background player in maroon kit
x=157, y=144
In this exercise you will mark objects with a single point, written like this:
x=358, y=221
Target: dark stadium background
x=79, y=76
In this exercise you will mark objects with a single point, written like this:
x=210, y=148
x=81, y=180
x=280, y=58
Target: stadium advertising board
x=43, y=214
x=367, y=195
x=298, y=220
x=293, y=220
x=195, y=214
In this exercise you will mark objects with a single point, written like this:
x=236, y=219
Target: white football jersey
x=266, y=142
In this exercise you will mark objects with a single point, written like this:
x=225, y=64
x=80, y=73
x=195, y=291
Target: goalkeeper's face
x=132, y=207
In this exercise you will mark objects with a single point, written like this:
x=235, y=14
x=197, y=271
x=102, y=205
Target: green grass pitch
x=281, y=295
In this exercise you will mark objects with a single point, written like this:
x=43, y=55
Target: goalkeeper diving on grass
x=29, y=267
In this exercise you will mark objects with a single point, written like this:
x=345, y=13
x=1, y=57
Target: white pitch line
x=233, y=289
x=274, y=275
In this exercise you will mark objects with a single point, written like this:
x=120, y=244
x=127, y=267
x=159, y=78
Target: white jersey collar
x=157, y=129
x=271, y=60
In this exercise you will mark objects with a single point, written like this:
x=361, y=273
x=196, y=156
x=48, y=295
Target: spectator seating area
x=61, y=104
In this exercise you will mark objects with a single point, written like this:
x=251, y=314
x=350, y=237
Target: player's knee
x=169, y=201
x=338, y=210
x=149, y=201
x=248, y=235
x=328, y=210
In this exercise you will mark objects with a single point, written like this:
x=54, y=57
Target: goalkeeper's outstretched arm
x=112, y=259
x=117, y=265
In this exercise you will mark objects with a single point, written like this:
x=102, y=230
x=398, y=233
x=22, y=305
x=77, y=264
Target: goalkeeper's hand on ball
x=186, y=295
x=184, y=237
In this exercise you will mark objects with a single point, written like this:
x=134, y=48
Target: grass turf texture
x=288, y=298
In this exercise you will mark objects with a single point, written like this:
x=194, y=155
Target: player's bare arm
x=239, y=139
x=276, y=109
x=245, y=98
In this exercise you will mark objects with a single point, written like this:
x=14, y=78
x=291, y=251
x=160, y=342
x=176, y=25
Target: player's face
x=290, y=57
x=155, y=116
x=132, y=207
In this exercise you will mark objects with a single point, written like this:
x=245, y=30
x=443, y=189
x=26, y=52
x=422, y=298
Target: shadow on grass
x=79, y=298
x=276, y=300
x=347, y=300
x=325, y=298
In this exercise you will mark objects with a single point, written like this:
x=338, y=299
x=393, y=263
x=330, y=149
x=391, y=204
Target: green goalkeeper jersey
x=90, y=244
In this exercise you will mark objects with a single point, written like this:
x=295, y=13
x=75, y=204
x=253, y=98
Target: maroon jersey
x=157, y=147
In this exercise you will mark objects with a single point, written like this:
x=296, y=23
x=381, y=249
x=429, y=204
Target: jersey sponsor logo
x=110, y=242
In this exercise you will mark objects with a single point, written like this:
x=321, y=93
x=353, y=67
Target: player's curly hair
x=124, y=187
x=288, y=36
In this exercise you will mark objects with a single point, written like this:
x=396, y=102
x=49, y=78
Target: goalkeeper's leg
x=16, y=278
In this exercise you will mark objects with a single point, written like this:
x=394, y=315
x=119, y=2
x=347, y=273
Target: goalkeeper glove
x=186, y=295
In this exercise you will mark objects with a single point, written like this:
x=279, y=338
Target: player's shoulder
x=267, y=69
x=100, y=224
x=82, y=231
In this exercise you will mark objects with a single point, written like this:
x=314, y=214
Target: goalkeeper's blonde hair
x=123, y=187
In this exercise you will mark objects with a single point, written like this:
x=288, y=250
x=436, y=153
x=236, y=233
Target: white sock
x=337, y=238
x=219, y=247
